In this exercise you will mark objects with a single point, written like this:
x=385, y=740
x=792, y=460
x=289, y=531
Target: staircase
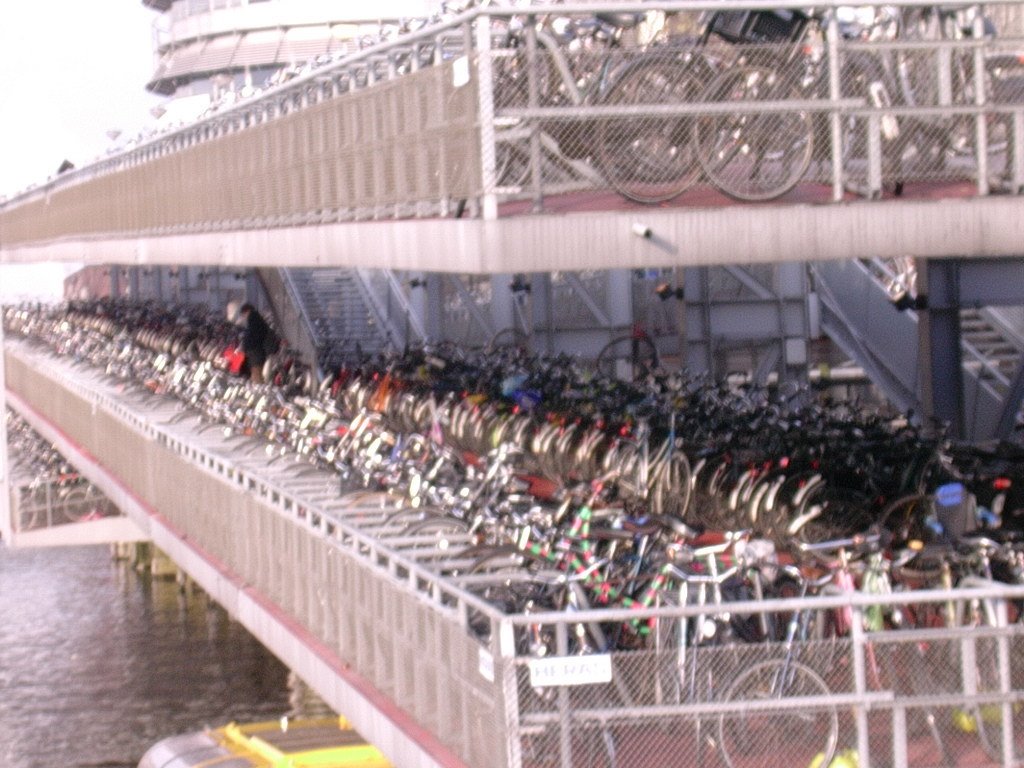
x=858, y=314
x=340, y=322
x=998, y=352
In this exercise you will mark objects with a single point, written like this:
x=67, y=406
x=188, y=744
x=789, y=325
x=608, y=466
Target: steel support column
x=620, y=300
x=991, y=282
x=433, y=309
x=503, y=315
x=537, y=307
x=940, y=343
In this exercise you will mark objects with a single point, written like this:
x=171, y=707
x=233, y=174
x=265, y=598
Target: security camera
x=642, y=230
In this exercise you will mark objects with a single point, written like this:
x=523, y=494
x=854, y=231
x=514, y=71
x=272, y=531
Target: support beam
x=986, y=228
x=991, y=282
x=940, y=342
x=433, y=305
x=503, y=313
x=536, y=304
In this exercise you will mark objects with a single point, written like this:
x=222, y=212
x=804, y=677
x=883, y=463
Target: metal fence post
x=506, y=654
x=1005, y=682
x=899, y=736
x=874, y=156
x=485, y=99
x=533, y=94
x=857, y=635
x=1015, y=145
x=564, y=724
x=980, y=98
x=834, y=94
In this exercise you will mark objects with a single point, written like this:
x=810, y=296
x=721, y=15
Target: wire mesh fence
x=905, y=697
x=645, y=102
x=44, y=504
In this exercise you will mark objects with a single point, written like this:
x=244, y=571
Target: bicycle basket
x=759, y=26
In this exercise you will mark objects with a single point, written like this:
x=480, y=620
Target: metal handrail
x=263, y=106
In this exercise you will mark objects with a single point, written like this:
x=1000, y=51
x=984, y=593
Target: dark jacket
x=257, y=338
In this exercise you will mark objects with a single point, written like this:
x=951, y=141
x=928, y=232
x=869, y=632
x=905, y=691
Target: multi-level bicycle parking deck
x=308, y=568
x=357, y=162
x=501, y=110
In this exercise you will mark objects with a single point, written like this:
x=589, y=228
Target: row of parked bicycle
x=901, y=67
x=548, y=489
x=590, y=490
x=46, y=488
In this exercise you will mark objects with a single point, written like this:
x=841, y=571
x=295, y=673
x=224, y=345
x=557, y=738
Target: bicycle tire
x=504, y=596
x=79, y=504
x=757, y=737
x=437, y=526
x=904, y=517
x=649, y=159
x=736, y=149
x=671, y=489
x=639, y=352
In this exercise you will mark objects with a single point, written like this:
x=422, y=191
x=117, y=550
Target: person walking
x=257, y=340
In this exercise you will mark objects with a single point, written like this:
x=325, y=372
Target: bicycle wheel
x=645, y=158
x=629, y=357
x=438, y=534
x=754, y=156
x=670, y=487
x=906, y=518
x=763, y=736
x=943, y=137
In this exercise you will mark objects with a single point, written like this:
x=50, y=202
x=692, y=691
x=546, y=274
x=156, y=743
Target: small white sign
x=486, y=665
x=570, y=670
x=460, y=71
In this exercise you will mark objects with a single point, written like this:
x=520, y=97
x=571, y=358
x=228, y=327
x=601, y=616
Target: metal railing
x=499, y=105
x=44, y=503
x=388, y=606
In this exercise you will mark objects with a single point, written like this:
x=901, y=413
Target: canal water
x=97, y=662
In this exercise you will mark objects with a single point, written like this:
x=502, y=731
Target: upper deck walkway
x=504, y=142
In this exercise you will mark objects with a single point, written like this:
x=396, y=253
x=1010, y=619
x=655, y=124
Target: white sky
x=70, y=71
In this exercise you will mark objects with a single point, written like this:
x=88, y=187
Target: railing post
x=834, y=94
x=564, y=707
x=874, y=156
x=1007, y=747
x=506, y=654
x=1015, y=146
x=485, y=97
x=533, y=96
x=860, y=684
x=899, y=736
x=980, y=98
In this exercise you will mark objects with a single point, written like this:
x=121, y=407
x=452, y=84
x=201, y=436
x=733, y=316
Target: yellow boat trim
x=245, y=741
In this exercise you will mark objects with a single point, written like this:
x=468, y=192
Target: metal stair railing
x=857, y=313
x=859, y=316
